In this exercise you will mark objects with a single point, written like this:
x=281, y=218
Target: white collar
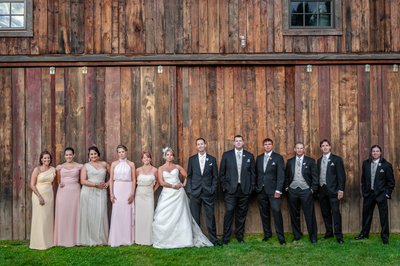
x=201, y=156
x=269, y=153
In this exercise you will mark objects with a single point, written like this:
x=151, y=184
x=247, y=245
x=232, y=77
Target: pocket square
x=332, y=164
x=306, y=166
x=248, y=160
x=381, y=171
x=304, y=163
x=210, y=164
x=273, y=163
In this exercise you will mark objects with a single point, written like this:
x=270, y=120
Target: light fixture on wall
x=242, y=41
x=52, y=70
x=367, y=68
x=309, y=68
x=160, y=69
x=395, y=68
x=84, y=70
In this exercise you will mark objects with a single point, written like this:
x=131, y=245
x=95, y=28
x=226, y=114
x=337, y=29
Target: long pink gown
x=122, y=217
x=67, y=207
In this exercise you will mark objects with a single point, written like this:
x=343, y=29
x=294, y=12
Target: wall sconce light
x=395, y=68
x=309, y=68
x=52, y=70
x=242, y=41
x=160, y=69
x=367, y=68
x=84, y=70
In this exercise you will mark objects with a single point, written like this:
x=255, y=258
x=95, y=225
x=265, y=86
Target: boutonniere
x=329, y=160
x=244, y=155
x=381, y=171
x=273, y=163
x=379, y=164
x=207, y=159
x=304, y=163
x=269, y=158
x=248, y=160
x=306, y=166
x=332, y=164
x=210, y=164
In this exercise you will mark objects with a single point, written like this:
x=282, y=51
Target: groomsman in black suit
x=377, y=184
x=301, y=183
x=238, y=181
x=202, y=181
x=270, y=170
x=332, y=179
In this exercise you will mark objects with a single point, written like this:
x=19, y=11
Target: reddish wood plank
x=106, y=26
x=33, y=132
x=89, y=29
x=60, y=125
x=203, y=21
x=115, y=26
x=112, y=107
x=97, y=26
x=213, y=26
x=90, y=109
x=122, y=26
x=127, y=127
x=77, y=18
x=324, y=103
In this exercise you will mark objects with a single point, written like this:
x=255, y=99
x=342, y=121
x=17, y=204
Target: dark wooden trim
x=197, y=59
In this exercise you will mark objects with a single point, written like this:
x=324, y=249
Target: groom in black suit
x=332, y=179
x=202, y=180
x=270, y=169
x=238, y=180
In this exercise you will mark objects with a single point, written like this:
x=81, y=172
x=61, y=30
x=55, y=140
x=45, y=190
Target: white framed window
x=16, y=18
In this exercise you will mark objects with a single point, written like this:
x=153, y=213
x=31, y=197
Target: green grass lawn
x=254, y=252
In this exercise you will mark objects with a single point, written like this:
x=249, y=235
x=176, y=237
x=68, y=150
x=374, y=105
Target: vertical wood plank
x=159, y=27
x=115, y=26
x=18, y=153
x=127, y=127
x=213, y=26
x=91, y=95
x=33, y=101
x=106, y=23
x=136, y=32
x=60, y=125
x=6, y=149
x=112, y=107
x=97, y=26
x=203, y=21
x=233, y=26
x=89, y=29
x=150, y=27
x=52, y=27
x=64, y=38
x=194, y=31
x=324, y=103
x=278, y=37
x=47, y=118
x=100, y=113
x=137, y=113
x=223, y=26
x=148, y=111
x=77, y=20
x=122, y=26
x=169, y=11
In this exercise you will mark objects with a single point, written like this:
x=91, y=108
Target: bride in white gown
x=173, y=225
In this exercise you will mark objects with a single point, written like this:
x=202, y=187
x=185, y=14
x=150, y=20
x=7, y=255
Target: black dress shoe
x=327, y=235
x=385, y=241
x=225, y=242
x=314, y=242
x=340, y=241
x=282, y=242
x=217, y=243
x=265, y=239
x=360, y=237
x=240, y=240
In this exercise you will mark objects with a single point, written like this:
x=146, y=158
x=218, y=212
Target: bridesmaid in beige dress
x=93, y=218
x=67, y=201
x=144, y=200
x=42, y=203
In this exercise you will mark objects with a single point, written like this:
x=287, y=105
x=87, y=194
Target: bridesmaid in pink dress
x=122, y=194
x=67, y=201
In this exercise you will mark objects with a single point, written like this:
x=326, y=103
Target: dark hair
x=94, y=148
x=322, y=142
x=201, y=139
x=69, y=149
x=120, y=146
x=42, y=154
x=238, y=136
x=147, y=153
x=268, y=140
x=298, y=142
x=373, y=147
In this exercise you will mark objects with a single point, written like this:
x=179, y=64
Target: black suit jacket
x=309, y=172
x=274, y=177
x=384, y=179
x=335, y=173
x=206, y=182
x=228, y=173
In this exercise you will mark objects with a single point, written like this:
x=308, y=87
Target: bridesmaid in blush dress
x=122, y=194
x=67, y=201
x=42, y=203
x=144, y=200
x=93, y=218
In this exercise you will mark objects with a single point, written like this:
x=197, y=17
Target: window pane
x=310, y=20
x=297, y=20
x=4, y=22
x=296, y=7
x=17, y=22
x=325, y=20
x=17, y=8
x=311, y=7
x=325, y=7
x=4, y=8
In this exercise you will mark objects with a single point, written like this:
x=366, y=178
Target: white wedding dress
x=173, y=225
